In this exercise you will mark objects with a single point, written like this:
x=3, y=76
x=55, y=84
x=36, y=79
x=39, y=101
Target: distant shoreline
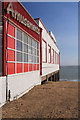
x=69, y=80
x=69, y=65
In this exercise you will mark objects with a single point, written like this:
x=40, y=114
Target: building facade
x=22, y=40
x=50, y=55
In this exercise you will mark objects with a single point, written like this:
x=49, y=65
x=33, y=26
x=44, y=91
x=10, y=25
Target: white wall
x=21, y=83
x=2, y=90
x=49, y=68
x=18, y=85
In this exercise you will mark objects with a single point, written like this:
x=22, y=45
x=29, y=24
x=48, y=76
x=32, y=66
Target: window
x=19, y=57
x=55, y=57
x=34, y=59
x=52, y=56
x=25, y=57
x=34, y=44
x=25, y=48
x=25, y=38
x=44, y=51
x=29, y=41
x=19, y=34
x=49, y=53
x=33, y=51
x=18, y=45
x=23, y=52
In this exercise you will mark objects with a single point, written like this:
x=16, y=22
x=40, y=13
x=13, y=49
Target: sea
x=69, y=73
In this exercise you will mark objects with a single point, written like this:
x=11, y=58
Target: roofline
x=28, y=13
x=46, y=30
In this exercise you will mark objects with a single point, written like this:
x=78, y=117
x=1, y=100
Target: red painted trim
x=41, y=51
x=50, y=53
x=59, y=60
x=55, y=57
x=46, y=51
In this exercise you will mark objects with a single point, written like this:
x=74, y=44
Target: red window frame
x=46, y=51
x=50, y=54
x=53, y=55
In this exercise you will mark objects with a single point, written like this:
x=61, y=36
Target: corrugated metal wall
x=1, y=38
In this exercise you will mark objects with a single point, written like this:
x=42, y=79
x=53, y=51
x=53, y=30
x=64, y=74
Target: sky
x=62, y=19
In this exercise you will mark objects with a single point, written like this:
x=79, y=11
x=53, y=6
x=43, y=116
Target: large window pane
x=49, y=54
x=25, y=57
x=19, y=56
x=34, y=43
x=25, y=48
x=19, y=45
x=29, y=50
x=19, y=34
x=34, y=51
x=34, y=59
x=25, y=38
x=29, y=41
x=29, y=58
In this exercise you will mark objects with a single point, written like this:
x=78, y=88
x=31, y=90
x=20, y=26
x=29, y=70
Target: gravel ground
x=50, y=100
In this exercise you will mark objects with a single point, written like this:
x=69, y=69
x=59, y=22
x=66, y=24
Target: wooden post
x=58, y=76
x=55, y=77
x=47, y=77
x=51, y=77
